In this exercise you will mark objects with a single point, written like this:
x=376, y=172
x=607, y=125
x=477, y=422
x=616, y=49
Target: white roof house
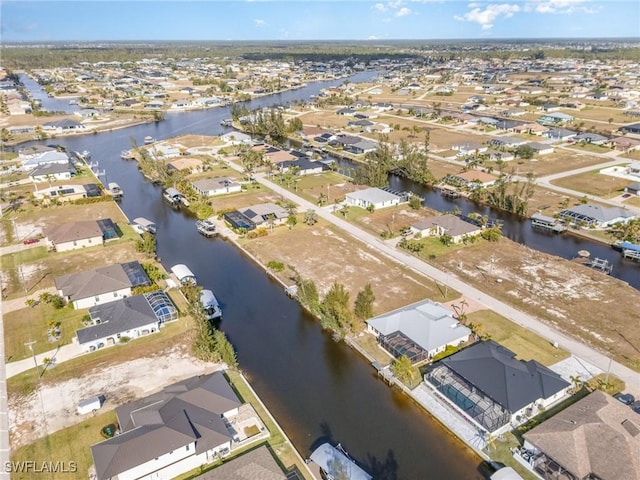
x=375, y=197
x=216, y=186
x=426, y=323
x=590, y=214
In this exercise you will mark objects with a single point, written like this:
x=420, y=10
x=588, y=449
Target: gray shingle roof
x=69, y=232
x=257, y=464
x=452, y=224
x=373, y=195
x=183, y=413
x=599, y=213
x=96, y=282
x=511, y=383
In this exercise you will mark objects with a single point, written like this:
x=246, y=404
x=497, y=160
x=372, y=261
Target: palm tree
x=310, y=217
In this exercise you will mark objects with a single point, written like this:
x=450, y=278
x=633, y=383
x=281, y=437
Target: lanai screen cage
x=162, y=306
x=577, y=218
x=399, y=344
x=468, y=398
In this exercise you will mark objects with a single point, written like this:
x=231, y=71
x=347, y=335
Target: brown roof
x=185, y=162
x=280, y=156
x=310, y=131
x=597, y=435
x=258, y=464
x=68, y=232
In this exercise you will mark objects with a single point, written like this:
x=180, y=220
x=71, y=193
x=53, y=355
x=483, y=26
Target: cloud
x=380, y=7
x=487, y=16
x=395, y=7
x=259, y=22
x=558, y=6
x=403, y=12
x=373, y=37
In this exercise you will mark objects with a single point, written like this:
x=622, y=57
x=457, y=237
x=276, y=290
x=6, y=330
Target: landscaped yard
x=524, y=343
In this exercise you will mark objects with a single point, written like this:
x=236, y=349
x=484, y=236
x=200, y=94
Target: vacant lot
x=556, y=162
x=589, y=147
x=548, y=201
x=594, y=183
x=343, y=260
x=573, y=298
x=331, y=185
x=390, y=220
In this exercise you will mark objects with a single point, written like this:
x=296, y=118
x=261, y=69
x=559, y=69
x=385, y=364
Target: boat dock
x=549, y=224
x=630, y=250
x=601, y=265
x=448, y=191
x=115, y=191
x=206, y=227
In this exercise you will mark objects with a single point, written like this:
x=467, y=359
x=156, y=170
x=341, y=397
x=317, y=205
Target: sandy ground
x=55, y=406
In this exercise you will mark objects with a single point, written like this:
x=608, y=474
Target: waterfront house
x=492, y=388
x=448, y=224
x=63, y=126
x=129, y=317
x=589, y=214
x=596, y=437
x=63, y=193
x=188, y=164
x=43, y=158
x=372, y=198
x=555, y=118
x=265, y=214
x=472, y=179
x=49, y=172
x=419, y=331
x=363, y=146
x=257, y=464
x=183, y=427
x=216, y=186
x=301, y=166
x=87, y=233
x=236, y=138
x=102, y=285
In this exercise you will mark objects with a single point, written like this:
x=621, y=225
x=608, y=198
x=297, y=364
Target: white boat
x=227, y=122
x=210, y=304
x=173, y=196
x=142, y=224
x=115, y=191
x=335, y=464
x=126, y=155
x=206, y=227
x=149, y=139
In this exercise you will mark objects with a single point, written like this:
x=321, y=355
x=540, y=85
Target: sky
x=118, y=20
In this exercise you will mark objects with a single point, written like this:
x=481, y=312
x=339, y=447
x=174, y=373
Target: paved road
x=4, y=415
x=631, y=378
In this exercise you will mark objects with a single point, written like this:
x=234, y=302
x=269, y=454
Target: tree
x=492, y=234
x=625, y=231
x=292, y=220
x=310, y=217
x=403, y=370
x=525, y=152
x=308, y=294
x=295, y=125
x=363, y=307
x=225, y=349
x=334, y=309
x=147, y=244
x=415, y=202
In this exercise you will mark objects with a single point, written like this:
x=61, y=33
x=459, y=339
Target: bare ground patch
x=571, y=297
x=54, y=406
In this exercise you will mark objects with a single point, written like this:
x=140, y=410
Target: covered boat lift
x=210, y=304
x=336, y=464
x=184, y=275
x=630, y=250
x=142, y=224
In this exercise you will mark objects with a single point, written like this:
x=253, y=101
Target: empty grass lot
x=525, y=344
x=594, y=183
x=31, y=324
x=68, y=445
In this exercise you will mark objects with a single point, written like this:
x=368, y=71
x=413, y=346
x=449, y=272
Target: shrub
x=124, y=339
x=275, y=265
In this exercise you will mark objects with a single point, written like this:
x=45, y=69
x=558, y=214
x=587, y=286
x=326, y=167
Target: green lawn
x=434, y=248
x=499, y=451
x=524, y=343
x=31, y=324
x=589, y=147
x=310, y=187
x=68, y=445
x=369, y=344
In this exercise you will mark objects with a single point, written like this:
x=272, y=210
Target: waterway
x=316, y=388
x=47, y=103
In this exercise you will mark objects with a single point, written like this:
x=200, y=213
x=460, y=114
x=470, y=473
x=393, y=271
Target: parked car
x=625, y=398
x=29, y=241
x=635, y=406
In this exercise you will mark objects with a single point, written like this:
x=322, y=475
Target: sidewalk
x=59, y=355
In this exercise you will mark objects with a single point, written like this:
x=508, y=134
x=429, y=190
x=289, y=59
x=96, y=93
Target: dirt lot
x=389, y=219
x=548, y=202
x=344, y=260
x=594, y=183
x=53, y=407
x=573, y=298
x=556, y=162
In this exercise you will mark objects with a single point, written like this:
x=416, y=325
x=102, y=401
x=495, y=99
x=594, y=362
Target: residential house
x=373, y=198
x=87, y=233
x=448, y=224
x=265, y=214
x=530, y=129
x=633, y=128
x=61, y=193
x=498, y=155
x=425, y=327
x=63, y=126
x=43, y=158
x=129, y=317
x=236, y=138
x=469, y=148
x=596, y=437
x=102, y=285
x=592, y=138
x=52, y=172
x=634, y=169
x=493, y=389
x=216, y=186
x=633, y=188
x=301, y=166
x=625, y=144
x=257, y=464
x=559, y=134
x=589, y=214
x=181, y=428
x=555, y=118
x=507, y=142
x=363, y=146
x=540, y=148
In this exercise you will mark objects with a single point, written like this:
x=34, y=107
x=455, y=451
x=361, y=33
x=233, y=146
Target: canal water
x=48, y=103
x=317, y=389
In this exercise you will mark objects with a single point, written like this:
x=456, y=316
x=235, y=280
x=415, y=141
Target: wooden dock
x=631, y=254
